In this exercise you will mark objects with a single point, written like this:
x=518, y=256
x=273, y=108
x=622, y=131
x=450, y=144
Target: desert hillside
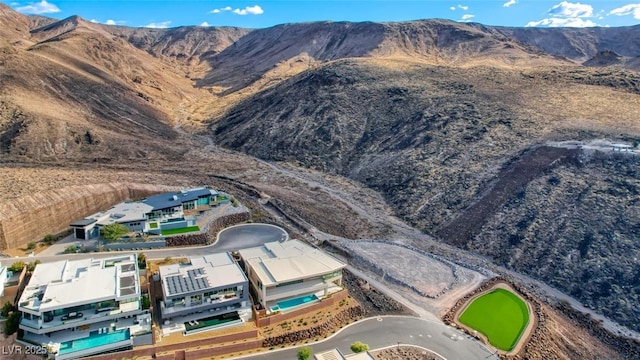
x=476, y=135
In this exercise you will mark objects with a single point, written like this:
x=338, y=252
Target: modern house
x=82, y=307
x=284, y=275
x=165, y=211
x=207, y=291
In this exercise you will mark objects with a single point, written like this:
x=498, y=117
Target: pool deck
x=143, y=326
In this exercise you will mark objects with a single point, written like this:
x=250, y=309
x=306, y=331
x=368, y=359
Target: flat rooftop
x=277, y=262
x=67, y=283
x=173, y=199
x=126, y=212
x=200, y=274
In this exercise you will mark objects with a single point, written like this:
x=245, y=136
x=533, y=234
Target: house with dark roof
x=171, y=210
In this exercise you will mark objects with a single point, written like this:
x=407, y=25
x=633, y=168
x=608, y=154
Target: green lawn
x=500, y=315
x=180, y=230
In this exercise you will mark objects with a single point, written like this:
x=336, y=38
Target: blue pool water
x=94, y=340
x=287, y=304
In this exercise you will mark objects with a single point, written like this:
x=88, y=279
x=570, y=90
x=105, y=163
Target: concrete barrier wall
x=323, y=304
x=194, y=354
x=32, y=217
x=173, y=351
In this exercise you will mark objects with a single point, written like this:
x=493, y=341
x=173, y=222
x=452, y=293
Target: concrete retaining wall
x=32, y=217
x=335, y=298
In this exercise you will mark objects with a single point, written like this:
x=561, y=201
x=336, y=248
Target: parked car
x=72, y=315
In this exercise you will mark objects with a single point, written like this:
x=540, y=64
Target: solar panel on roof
x=127, y=267
x=127, y=281
x=127, y=291
x=193, y=281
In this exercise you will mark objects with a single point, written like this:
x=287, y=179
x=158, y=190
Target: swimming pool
x=94, y=340
x=291, y=303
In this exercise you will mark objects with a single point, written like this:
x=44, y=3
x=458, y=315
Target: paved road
x=248, y=235
x=230, y=239
x=391, y=330
x=380, y=332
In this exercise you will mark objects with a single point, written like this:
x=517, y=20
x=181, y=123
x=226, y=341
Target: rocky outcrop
x=30, y=218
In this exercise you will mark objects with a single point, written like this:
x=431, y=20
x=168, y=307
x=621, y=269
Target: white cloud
x=463, y=7
x=571, y=10
x=94, y=21
x=562, y=22
x=253, y=10
x=159, y=25
x=453, y=8
x=509, y=3
x=219, y=10
x=631, y=9
x=42, y=7
x=467, y=16
x=566, y=14
x=205, y=24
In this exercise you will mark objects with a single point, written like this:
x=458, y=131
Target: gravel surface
x=404, y=353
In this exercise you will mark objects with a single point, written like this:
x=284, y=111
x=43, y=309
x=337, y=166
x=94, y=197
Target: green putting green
x=500, y=315
x=180, y=230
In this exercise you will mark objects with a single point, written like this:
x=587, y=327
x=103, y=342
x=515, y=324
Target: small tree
x=304, y=353
x=359, y=346
x=146, y=303
x=31, y=245
x=32, y=266
x=142, y=261
x=7, y=308
x=17, y=266
x=635, y=144
x=49, y=239
x=113, y=231
x=12, y=323
x=70, y=249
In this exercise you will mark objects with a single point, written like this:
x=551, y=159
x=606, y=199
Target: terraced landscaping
x=500, y=315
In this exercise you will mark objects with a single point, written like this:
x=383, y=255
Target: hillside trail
x=403, y=233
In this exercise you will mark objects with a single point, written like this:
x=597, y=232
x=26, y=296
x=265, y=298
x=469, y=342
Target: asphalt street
x=393, y=330
x=377, y=332
x=230, y=239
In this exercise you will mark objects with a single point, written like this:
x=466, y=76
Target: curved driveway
x=377, y=332
x=230, y=239
x=391, y=330
x=247, y=235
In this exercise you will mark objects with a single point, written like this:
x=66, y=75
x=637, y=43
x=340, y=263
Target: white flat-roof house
x=81, y=307
x=150, y=215
x=290, y=273
x=209, y=287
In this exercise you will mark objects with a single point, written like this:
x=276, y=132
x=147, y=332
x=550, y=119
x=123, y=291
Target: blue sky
x=265, y=13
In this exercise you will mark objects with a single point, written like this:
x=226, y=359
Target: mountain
x=495, y=140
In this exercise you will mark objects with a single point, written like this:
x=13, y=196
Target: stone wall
x=32, y=217
x=323, y=330
x=192, y=349
x=209, y=231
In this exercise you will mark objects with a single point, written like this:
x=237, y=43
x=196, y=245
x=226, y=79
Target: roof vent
x=175, y=197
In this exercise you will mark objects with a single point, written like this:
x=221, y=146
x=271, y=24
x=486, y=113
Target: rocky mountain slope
x=447, y=121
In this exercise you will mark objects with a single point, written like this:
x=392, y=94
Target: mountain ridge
x=430, y=114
